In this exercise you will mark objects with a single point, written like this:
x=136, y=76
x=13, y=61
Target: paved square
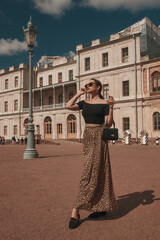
x=36, y=196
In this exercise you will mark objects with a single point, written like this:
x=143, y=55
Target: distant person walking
x=21, y=140
x=3, y=140
x=17, y=140
x=13, y=139
x=96, y=193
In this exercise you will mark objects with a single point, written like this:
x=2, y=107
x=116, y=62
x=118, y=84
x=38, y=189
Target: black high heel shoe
x=74, y=222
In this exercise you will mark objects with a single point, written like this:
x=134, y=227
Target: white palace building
x=128, y=65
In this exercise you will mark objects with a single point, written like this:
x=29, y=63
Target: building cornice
x=12, y=90
x=13, y=71
x=53, y=67
x=110, y=69
x=52, y=86
x=10, y=114
x=108, y=42
x=150, y=61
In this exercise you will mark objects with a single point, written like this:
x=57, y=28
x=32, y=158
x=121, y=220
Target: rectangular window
x=87, y=64
x=70, y=95
x=41, y=81
x=126, y=124
x=106, y=91
x=60, y=98
x=70, y=75
x=105, y=59
x=15, y=130
x=6, y=106
x=125, y=54
x=50, y=100
x=38, y=129
x=6, y=83
x=125, y=89
x=5, y=130
x=50, y=80
x=41, y=102
x=16, y=105
x=59, y=128
x=59, y=77
x=16, y=82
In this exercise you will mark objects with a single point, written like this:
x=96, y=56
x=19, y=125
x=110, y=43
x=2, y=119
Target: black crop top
x=93, y=113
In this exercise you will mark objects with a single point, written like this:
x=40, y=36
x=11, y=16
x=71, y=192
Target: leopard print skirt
x=96, y=193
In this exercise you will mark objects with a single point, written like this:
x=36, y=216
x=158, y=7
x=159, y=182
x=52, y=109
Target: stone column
x=63, y=96
x=41, y=98
x=147, y=79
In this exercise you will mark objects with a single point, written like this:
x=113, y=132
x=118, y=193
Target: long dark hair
x=98, y=83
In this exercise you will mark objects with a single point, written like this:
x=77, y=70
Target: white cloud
x=10, y=47
x=127, y=4
x=53, y=7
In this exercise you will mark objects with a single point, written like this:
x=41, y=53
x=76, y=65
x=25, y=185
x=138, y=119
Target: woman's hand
x=81, y=91
x=111, y=101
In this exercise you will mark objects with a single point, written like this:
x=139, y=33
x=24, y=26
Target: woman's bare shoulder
x=98, y=102
x=104, y=101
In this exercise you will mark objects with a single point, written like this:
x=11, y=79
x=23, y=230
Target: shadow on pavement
x=55, y=156
x=127, y=203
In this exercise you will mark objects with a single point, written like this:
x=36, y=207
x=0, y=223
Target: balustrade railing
x=52, y=106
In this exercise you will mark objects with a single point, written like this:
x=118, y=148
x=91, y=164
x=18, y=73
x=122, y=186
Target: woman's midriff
x=92, y=125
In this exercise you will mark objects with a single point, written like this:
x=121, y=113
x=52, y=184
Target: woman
x=96, y=192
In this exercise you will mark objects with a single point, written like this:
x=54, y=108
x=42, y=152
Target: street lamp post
x=30, y=35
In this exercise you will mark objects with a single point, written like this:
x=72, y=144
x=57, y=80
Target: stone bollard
x=157, y=142
x=126, y=137
x=143, y=137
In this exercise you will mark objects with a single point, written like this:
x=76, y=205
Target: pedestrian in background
x=13, y=139
x=3, y=140
x=21, y=140
x=17, y=140
x=96, y=193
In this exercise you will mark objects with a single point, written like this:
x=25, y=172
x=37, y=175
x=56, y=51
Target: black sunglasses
x=89, y=85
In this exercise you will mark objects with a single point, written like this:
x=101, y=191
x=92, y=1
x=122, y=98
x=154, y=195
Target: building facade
x=128, y=65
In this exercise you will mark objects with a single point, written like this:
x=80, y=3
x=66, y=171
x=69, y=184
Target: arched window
x=70, y=95
x=71, y=119
x=26, y=121
x=48, y=127
x=156, y=81
x=156, y=121
x=60, y=98
x=50, y=100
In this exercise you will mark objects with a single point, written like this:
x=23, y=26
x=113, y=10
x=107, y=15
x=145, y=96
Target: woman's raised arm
x=70, y=104
x=109, y=118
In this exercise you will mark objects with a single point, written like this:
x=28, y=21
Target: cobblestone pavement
x=36, y=196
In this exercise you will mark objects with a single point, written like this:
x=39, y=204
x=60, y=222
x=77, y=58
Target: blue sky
x=63, y=24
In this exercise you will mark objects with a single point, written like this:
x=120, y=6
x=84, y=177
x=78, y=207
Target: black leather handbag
x=110, y=133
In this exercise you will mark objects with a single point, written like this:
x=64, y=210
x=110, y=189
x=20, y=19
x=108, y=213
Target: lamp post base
x=30, y=153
